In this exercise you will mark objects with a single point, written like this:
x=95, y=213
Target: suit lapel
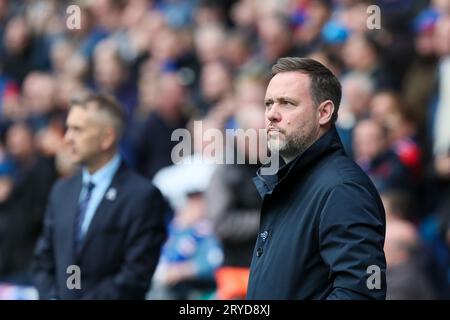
x=71, y=205
x=106, y=206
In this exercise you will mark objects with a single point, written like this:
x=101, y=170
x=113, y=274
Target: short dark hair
x=324, y=84
x=107, y=103
x=401, y=204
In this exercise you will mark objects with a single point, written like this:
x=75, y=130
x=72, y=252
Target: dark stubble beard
x=295, y=145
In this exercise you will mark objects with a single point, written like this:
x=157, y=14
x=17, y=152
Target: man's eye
x=289, y=103
x=268, y=103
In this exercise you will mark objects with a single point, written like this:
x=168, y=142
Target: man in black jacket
x=322, y=221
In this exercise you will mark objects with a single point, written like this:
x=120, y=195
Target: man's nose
x=273, y=113
x=67, y=136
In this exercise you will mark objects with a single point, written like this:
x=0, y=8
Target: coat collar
x=326, y=144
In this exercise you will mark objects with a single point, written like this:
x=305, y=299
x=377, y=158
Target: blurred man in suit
x=106, y=220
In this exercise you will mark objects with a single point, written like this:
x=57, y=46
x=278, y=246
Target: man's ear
x=326, y=110
x=109, y=138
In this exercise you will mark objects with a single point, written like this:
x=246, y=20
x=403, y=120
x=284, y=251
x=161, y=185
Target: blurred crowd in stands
x=171, y=62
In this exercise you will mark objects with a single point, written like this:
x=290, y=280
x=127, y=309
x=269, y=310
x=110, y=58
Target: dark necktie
x=80, y=215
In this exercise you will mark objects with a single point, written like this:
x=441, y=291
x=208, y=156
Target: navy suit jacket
x=121, y=247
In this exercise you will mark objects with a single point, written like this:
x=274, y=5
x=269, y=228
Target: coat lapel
x=71, y=209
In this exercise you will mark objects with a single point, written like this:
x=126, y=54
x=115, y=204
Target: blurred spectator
x=4, y=7
x=84, y=40
x=361, y=53
x=276, y=40
x=39, y=92
x=23, y=209
x=190, y=255
x=154, y=153
x=9, y=99
x=357, y=90
x=250, y=90
x=441, y=133
x=32, y=169
x=60, y=54
x=22, y=53
x=405, y=280
x=233, y=205
x=372, y=153
x=353, y=15
x=216, y=85
x=238, y=51
x=441, y=117
x=165, y=49
x=389, y=111
x=112, y=75
x=310, y=21
x=420, y=78
x=67, y=88
x=405, y=274
x=209, y=40
x=244, y=15
x=10, y=208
